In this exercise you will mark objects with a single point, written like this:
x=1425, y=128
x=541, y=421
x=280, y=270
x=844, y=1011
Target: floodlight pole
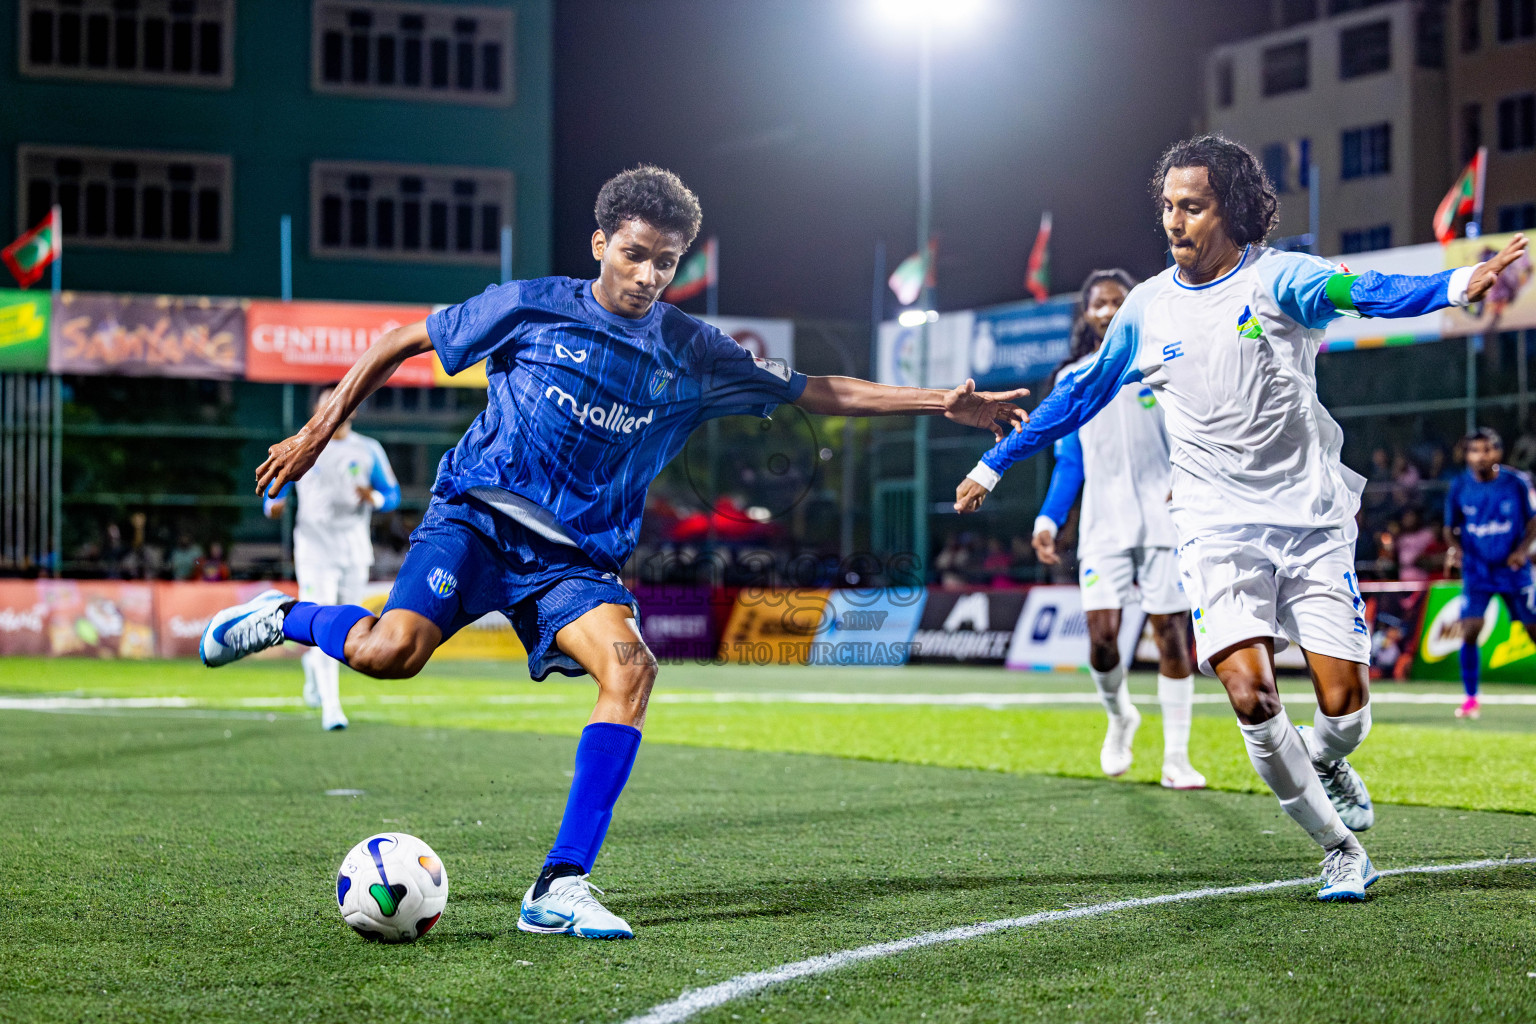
x=920, y=545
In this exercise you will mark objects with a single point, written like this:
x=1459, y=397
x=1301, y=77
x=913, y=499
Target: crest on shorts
x=658, y=383
x=441, y=582
x=1248, y=325
x=1090, y=577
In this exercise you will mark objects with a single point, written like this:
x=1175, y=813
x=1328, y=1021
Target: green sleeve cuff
x=1338, y=291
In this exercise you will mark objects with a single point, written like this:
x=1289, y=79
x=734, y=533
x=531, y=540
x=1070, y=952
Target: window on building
x=1346, y=6
x=1296, y=12
x=1367, y=151
x=400, y=212
x=437, y=51
x=1517, y=123
x=1286, y=68
x=1366, y=239
x=1429, y=36
x=1471, y=130
x=1274, y=159
x=1224, y=84
x=1517, y=217
x=1516, y=20
x=165, y=42
x=1471, y=25
x=1365, y=49
x=130, y=199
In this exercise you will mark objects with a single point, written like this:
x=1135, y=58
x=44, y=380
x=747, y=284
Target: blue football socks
x=604, y=757
x=323, y=625
x=1470, y=666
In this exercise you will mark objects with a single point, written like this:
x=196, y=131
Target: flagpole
x=925, y=297
x=56, y=405
x=712, y=428
x=56, y=239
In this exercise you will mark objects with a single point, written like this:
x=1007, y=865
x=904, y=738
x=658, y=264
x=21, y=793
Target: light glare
x=927, y=14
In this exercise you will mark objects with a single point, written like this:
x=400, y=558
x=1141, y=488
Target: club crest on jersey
x=441, y=582
x=659, y=381
x=1248, y=325
x=1146, y=398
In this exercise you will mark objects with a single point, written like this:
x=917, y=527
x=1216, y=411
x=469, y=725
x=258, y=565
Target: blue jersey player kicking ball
x=594, y=387
x=1490, y=524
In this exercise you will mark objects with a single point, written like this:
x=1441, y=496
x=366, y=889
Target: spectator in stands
x=952, y=561
x=1406, y=481
x=143, y=560
x=212, y=568
x=1523, y=455
x=113, y=552
x=1378, y=488
x=184, y=557
x=997, y=562
x=1419, y=548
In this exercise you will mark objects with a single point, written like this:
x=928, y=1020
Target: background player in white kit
x=1126, y=551
x=333, y=542
x=1227, y=339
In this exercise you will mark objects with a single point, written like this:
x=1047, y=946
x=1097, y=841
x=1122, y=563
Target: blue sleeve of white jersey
x=282, y=495
x=734, y=382
x=1066, y=480
x=468, y=332
x=1314, y=292
x=1079, y=395
x=382, y=479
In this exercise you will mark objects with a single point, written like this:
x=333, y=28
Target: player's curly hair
x=651, y=194
x=1248, y=201
x=1082, y=337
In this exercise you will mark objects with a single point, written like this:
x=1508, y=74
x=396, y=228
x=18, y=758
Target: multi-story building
x=400, y=137
x=1356, y=89
x=1492, y=95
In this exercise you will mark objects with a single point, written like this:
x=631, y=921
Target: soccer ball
x=391, y=888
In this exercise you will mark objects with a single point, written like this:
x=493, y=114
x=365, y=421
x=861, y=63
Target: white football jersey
x=1126, y=475
x=332, y=524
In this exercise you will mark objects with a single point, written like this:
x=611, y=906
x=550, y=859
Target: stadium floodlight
x=917, y=317
x=927, y=14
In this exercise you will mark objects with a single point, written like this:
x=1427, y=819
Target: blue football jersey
x=1492, y=517
x=585, y=406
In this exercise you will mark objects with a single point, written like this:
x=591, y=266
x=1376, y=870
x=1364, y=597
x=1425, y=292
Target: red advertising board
x=316, y=342
x=23, y=618
x=99, y=618
x=182, y=611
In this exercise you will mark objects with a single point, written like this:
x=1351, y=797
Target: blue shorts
x=1519, y=599
x=467, y=560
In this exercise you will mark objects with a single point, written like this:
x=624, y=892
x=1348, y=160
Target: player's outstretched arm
x=1066, y=482
x=288, y=460
x=849, y=396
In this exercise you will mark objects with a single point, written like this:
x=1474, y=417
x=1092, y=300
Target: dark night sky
x=795, y=122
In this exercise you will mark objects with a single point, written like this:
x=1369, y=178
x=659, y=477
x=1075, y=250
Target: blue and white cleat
x=244, y=629
x=1347, y=873
x=569, y=908
x=1345, y=788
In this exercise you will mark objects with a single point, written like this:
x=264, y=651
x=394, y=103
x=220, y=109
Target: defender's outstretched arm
x=288, y=460
x=849, y=396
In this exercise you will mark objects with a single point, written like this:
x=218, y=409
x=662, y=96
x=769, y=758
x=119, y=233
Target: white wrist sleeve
x=1044, y=524
x=1456, y=288
x=984, y=475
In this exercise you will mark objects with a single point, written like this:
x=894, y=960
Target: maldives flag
x=697, y=274
x=917, y=270
x=29, y=256
x=1038, y=277
x=1464, y=201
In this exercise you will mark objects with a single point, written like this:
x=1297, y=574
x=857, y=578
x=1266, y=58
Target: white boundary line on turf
x=698, y=1000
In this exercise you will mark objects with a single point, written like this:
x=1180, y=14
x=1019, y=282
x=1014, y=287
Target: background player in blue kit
x=593, y=387
x=1490, y=524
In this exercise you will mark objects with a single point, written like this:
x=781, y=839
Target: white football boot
x=1347, y=873
x=244, y=629
x=1180, y=774
x=333, y=720
x=1115, y=755
x=569, y=908
x=1345, y=788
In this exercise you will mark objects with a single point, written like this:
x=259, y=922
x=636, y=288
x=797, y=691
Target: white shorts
x=324, y=583
x=1293, y=585
x=1148, y=576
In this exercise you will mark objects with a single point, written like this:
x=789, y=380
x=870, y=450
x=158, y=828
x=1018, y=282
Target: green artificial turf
x=177, y=864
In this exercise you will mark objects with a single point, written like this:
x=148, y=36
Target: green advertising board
x=1509, y=655
x=24, y=330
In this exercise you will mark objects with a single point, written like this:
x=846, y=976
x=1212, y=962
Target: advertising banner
x=1508, y=653
x=1052, y=631
x=148, y=335
x=949, y=352
x=1350, y=332
x=678, y=622
x=99, y=618
x=182, y=611
x=973, y=626
x=772, y=627
x=488, y=638
x=23, y=618
x=764, y=338
x=317, y=342
x=1000, y=347
x=24, y=319
x=868, y=627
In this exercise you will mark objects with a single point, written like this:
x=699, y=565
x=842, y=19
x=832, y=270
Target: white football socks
x=1177, y=697
x=1284, y=763
x=1113, y=693
x=326, y=672
x=1335, y=738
